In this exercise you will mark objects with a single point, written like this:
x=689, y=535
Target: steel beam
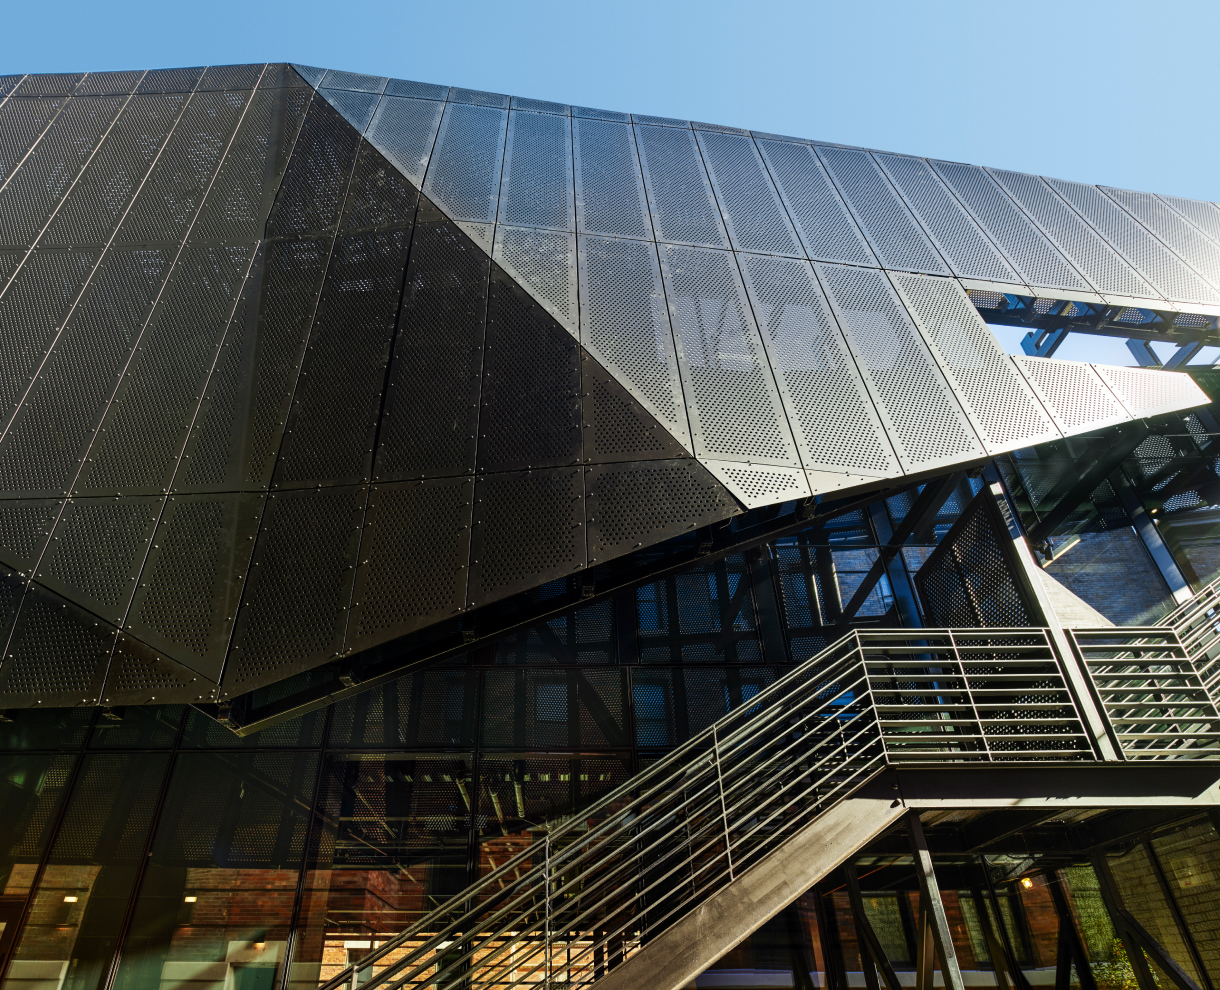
x=1151, y=537
x=1043, y=343
x=1144, y=354
x=868, y=938
x=934, y=921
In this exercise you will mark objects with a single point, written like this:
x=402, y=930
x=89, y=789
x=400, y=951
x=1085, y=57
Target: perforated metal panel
x=139, y=675
x=1002, y=409
x=413, y=559
x=756, y=486
x=192, y=581
x=110, y=83
x=22, y=120
x=30, y=196
x=634, y=505
x=751, y=207
x=625, y=326
x=1150, y=391
x=962, y=244
x=616, y=426
x=530, y=403
x=170, y=80
x=1093, y=258
x=295, y=606
x=417, y=90
x=230, y=77
x=610, y=195
x=97, y=550
x=601, y=114
x=311, y=194
x=832, y=417
x=1072, y=392
x=310, y=73
x=891, y=230
x=921, y=417
x=1200, y=253
x=431, y=410
x=536, y=190
x=731, y=395
x=464, y=173
x=482, y=234
x=679, y=194
x=528, y=529
x=478, y=98
x=49, y=84
x=57, y=655
x=640, y=118
x=1204, y=215
x=404, y=131
x=334, y=79
x=1163, y=270
x=544, y=263
x=25, y=528
x=357, y=108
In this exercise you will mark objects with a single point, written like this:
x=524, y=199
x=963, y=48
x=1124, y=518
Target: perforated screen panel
x=734, y=405
x=755, y=485
x=1148, y=392
x=617, y=427
x=464, y=172
x=357, y=108
x=543, y=262
x=1199, y=253
x=1072, y=392
x=683, y=210
x=610, y=196
x=404, y=130
x=1003, y=410
x=1204, y=215
x=536, y=190
x=751, y=207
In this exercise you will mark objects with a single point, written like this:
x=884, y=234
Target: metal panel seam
x=37, y=141
x=17, y=86
x=1165, y=244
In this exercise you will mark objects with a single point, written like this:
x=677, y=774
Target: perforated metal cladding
x=358, y=81
x=544, y=263
x=610, y=195
x=49, y=84
x=338, y=396
x=616, y=427
x=311, y=193
x=633, y=505
x=97, y=550
x=478, y=98
x=430, y=418
x=418, y=90
x=734, y=406
x=9, y=83
x=1072, y=392
x=1003, y=410
x=225, y=77
x=69, y=395
x=832, y=417
x=679, y=194
x=378, y=195
x=140, y=675
x=528, y=529
x=1150, y=257
x=530, y=408
x=96, y=202
x=751, y=207
x=413, y=558
x=536, y=190
x=1151, y=392
x=35, y=190
x=923, y=421
x=22, y=120
x=241, y=418
x=176, y=185
x=404, y=130
x=1094, y=259
x=757, y=486
x=1204, y=215
x=601, y=114
x=110, y=83
x=137, y=447
x=170, y=80
x=295, y=605
x=189, y=589
x=891, y=230
x=1200, y=253
x=356, y=108
x=625, y=327
x=961, y=243
x=1035, y=258
x=57, y=654
x=25, y=528
x=464, y=172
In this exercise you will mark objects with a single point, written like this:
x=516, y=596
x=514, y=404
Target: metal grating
x=413, y=558
x=357, y=108
x=431, y=409
x=1035, y=258
x=1149, y=392
x=1004, y=412
x=960, y=242
x=416, y=90
x=1201, y=254
x=616, y=427
x=885, y=220
x=404, y=131
x=47, y=173
x=464, y=173
x=1092, y=257
x=833, y=420
x=530, y=408
x=610, y=195
x=633, y=505
x=22, y=120
x=1072, y=392
x=731, y=395
x=922, y=418
x=1164, y=270
x=192, y=581
x=544, y=262
x=758, y=486
x=334, y=79
x=96, y=553
x=295, y=606
x=625, y=328
x=752, y=209
x=683, y=211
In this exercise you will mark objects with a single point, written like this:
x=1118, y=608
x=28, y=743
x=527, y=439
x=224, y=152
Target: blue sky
x=1115, y=93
